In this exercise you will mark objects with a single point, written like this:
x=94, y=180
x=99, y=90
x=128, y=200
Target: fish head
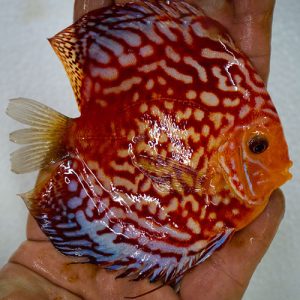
x=254, y=159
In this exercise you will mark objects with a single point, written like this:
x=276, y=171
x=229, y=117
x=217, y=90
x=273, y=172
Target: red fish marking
x=174, y=149
x=136, y=54
x=118, y=230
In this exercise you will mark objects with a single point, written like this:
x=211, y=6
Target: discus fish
x=177, y=147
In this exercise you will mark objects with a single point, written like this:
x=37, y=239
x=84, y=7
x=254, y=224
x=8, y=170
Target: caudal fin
x=43, y=138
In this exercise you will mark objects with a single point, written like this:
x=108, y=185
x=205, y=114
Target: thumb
x=228, y=271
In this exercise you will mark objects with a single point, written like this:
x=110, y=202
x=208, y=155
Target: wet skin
x=37, y=271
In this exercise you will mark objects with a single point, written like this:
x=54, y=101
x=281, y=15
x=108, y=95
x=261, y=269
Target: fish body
x=173, y=151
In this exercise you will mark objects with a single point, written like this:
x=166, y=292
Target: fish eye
x=258, y=144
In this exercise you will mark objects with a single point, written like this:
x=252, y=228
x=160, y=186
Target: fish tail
x=43, y=139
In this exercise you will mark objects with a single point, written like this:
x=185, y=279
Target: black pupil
x=258, y=144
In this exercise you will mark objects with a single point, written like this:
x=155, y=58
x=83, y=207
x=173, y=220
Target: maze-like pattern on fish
x=123, y=231
x=160, y=87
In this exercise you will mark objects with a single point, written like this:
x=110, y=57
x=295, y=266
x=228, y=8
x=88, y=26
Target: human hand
x=38, y=271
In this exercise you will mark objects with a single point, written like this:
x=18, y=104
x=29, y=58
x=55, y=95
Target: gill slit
x=246, y=171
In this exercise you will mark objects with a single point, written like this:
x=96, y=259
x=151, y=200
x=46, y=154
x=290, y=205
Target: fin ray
x=64, y=45
x=168, y=173
x=28, y=135
x=43, y=139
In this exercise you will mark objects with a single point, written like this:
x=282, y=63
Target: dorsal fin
x=111, y=53
x=65, y=45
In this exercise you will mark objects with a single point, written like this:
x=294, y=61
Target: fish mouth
x=286, y=175
x=261, y=194
x=258, y=193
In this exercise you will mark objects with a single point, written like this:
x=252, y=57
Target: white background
x=29, y=68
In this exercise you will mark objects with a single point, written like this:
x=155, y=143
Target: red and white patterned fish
x=177, y=147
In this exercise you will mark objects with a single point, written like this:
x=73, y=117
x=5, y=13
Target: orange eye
x=258, y=144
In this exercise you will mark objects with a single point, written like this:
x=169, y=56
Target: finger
x=228, y=271
x=249, y=22
x=85, y=280
x=252, y=31
x=34, y=233
x=82, y=7
x=18, y=282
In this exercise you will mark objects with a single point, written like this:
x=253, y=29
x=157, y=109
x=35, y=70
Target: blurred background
x=29, y=68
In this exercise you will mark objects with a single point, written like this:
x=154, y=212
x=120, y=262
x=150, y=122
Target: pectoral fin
x=169, y=174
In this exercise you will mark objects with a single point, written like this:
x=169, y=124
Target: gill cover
x=254, y=175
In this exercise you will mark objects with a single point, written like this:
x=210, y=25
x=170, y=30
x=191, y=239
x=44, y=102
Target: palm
x=226, y=274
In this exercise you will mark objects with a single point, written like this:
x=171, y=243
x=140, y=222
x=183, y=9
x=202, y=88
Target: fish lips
x=249, y=194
